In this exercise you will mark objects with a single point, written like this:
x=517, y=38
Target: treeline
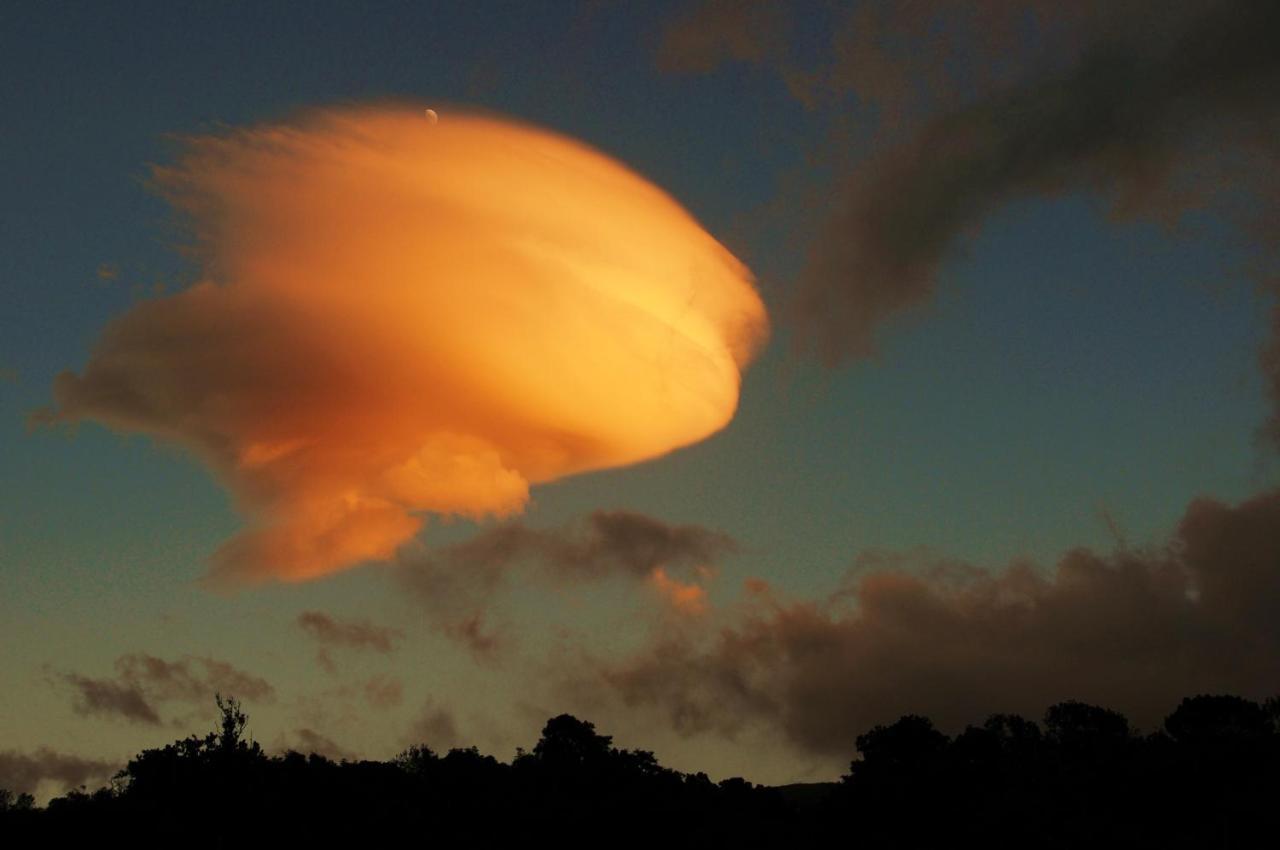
x=1081, y=778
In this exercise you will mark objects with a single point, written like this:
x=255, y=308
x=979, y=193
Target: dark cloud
x=884, y=61
x=608, y=542
x=308, y=741
x=706, y=34
x=23, y=772
x=111, y=697
x=1123, y=120
x=942, y=112
x=351, y=634
x=1135, y=630
x=458, y=584
x=144, y=682
x=435, y=726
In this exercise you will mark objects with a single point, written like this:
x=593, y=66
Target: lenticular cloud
x=397, y=318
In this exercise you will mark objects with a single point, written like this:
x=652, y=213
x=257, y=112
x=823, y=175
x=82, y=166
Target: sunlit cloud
x=398, y=318
x=684, y=597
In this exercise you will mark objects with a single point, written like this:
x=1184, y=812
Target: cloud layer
x=1134, y=630
x=398, y=317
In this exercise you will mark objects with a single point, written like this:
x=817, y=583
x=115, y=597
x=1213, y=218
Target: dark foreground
x=1081, y=778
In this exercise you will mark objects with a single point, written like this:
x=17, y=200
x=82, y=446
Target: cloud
x=144, y=682
x=1122, y=120
x=397, y=318
x=1163, y=106
x=1134, y=630
x=382, y=691
x=352, y=634
x=23, y=773
x=706, y=34
x=684, y=597
x=309, y=741
x=109, y=697
x=436, y=727
x=458, y=584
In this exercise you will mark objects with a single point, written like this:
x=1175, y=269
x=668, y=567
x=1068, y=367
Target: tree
x=10, y=802
x=417, y=760
x=230, y=736
x=569, y=742
x=1077, y=724
x=910, y=743
x=1207, y=718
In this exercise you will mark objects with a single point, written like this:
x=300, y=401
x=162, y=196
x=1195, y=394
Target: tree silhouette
x=1202, y=719
x=232, y=723
x=1209, y=779
x=567, y=742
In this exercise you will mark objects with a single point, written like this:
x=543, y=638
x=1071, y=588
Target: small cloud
x=25, y=772
x=144, y=682
x=686, y=598
x=435, y=726
x=108, y=697
x=308, y=741
x=351, y=634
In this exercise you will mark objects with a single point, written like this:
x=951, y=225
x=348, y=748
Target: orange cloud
x=399, y=318
x=685, y=597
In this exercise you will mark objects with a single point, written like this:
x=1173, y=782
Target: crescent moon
x=432, y=116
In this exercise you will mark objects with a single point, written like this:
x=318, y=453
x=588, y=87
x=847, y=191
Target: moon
x=432, y=117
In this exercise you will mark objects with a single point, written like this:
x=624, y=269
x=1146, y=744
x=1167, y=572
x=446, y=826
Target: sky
x=733, y=375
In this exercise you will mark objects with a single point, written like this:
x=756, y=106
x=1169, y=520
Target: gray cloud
x=23, y=772
x=307, y=740
x=144, y=682
x=457, y=585
x=436, y=727
x=1163, y=106
x=111, y=697
x=1135, y=630
x=1124, y=119
x=351, y=634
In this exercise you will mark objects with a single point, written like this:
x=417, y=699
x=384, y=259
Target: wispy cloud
x=458, y=584
x=353, y=634
x=143, y=683
x=23, y=773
